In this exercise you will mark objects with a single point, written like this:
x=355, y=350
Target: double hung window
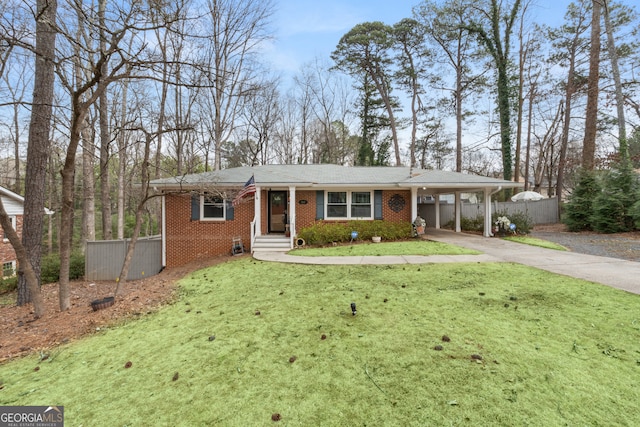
x=212, y=208
x=349, y=205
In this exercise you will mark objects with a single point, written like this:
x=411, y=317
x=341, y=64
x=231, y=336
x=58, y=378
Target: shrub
x=522, y=221
x=579, y=207
x=50, y=267
x=322, y=233
x=635, y=214
x=8, y=284
x=612, y=207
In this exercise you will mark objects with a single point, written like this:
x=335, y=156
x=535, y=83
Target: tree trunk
x=17, y=187
x=523, y=58
x=591, y=122
x=88, y=187
x=105, y=136
x=25, y=266
x=458, y=96
x=122, y=160
x=527, y=161
x=39, y=143
x=505, y=121
x=79, y=110
x=615, y=70
x=139, y=211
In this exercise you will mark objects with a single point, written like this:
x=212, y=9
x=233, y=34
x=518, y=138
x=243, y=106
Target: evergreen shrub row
x=321, y=233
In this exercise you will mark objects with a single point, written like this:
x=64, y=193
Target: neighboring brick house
x=13, y=204
x=200, y=220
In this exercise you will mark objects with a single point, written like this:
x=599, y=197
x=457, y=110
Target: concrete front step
x=271, y=243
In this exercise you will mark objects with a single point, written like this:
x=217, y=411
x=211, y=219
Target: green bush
x=579, y=208
x=522, y=221
x=50, y=267
x=612, y=210
x=635, y=214
x=322, y=233
x=8, y=284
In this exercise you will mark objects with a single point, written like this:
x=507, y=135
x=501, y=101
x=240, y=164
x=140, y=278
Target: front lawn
x=250, y=342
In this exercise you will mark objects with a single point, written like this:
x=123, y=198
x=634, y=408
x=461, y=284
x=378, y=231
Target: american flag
x=249, y=188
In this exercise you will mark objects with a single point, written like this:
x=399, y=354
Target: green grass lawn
x=410, y=247
x=536, y=242
x=549, y=351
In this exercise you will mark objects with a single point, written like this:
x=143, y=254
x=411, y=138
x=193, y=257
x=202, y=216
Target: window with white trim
x=361, y=204
x=12, y=218
x=8, y=269
x=349, y=205
x=212, y=208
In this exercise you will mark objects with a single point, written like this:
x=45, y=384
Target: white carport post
x=292, y=214
x=458, y=208
x=487, y=213
x=414, y=203
x=257, y=211
x=437, y=224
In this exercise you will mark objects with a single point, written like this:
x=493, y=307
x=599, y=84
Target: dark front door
x=277, y=211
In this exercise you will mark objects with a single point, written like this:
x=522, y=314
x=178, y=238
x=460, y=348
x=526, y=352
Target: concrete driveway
x=613, y=272
x=617, y=273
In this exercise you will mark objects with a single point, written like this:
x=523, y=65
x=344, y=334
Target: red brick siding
x=305, y=214
x=388, y=214
x=188, y=240
x=7, y=253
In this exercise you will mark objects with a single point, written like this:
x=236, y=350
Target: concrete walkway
x=612, y=272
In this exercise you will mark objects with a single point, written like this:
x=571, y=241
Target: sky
x=307, y=29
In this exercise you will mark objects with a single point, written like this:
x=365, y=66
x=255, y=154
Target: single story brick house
x=199, y=219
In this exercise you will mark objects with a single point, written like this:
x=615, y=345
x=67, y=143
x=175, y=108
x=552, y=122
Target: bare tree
x=568, y=43
x=261, y=114
x=457, y=49
x=235, y=31
x=83, y=95
x=105, y=134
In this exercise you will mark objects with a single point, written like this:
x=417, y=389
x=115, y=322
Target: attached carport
x=437, y=183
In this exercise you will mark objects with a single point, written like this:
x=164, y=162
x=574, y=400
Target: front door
x=277, y=211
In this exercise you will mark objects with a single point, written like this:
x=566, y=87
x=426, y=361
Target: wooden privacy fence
x=104, y=258
x=543, y=211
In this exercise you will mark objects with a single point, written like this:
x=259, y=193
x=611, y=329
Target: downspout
x=164, y=232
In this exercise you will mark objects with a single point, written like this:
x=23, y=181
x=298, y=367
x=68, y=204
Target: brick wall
x=388, y=214
x=7, y=253
x=305, y=214
x=189, y=240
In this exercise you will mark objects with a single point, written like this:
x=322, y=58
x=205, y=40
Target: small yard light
x=353, y=308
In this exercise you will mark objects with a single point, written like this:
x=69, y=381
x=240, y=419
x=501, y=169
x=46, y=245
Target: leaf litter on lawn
x=541, y=357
